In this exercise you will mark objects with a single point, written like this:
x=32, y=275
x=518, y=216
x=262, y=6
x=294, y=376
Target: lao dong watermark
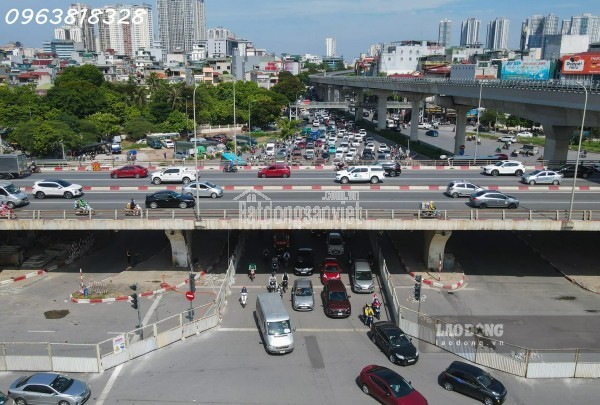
x=339, y=206
x=469, y=334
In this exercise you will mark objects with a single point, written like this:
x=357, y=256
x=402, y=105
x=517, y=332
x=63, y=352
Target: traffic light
x=417, y=287
x=134, y=296
x=192, y=283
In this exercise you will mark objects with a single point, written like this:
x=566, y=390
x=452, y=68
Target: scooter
x=280, y=291
x=272, y=286
x=514, y=153
x=230, y=169
x=8, y=214
x=251, y=272
x=243, y=299
x=284, y=285
x=377, y=310
x=274, y=264
x=33, y=168
x=85, y=211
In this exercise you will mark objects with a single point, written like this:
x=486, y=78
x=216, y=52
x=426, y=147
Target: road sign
x=189, y=295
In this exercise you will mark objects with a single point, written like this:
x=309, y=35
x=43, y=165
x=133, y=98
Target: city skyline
x=294, y=27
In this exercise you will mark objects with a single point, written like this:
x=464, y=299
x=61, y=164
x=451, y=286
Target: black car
x=368, y=155
x=474, y=382
x=169, y=199
x=304, y=263
x=569, y=171
x=394, y=343
x=391, y=167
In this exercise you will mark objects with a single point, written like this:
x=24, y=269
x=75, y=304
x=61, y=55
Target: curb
x=127, y=297
x=24, y=277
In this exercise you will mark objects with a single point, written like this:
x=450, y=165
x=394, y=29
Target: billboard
x=581, y=64
x=526, y=70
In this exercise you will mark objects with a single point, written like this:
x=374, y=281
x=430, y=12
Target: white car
x=332, y=139
x=174, y=174
x=350, y=155
x=508, y=138
x=370, y=146
x=169, y=144
x=373, y=174
x=56, y=188
x=383, y=148
x=505, y=167
x=525, y=134
x=355, y=142
x=424, y=125
x=344, y=146
x=316, y=123
x=362, y=132
x=339, y=155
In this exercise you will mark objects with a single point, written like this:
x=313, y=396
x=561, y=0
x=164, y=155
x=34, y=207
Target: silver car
x=491, y=198
x=542, y=177
x=459, y=188
x=362, y=277
x=49, y=389
x=303, y=295
x=205, y=189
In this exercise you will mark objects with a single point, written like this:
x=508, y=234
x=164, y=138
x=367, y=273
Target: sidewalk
x=409, y=251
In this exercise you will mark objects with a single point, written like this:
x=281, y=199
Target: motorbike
x=506, y=146
x=274, y=264
x=377, y=310
x=8, y=214
x=85, y=211
x=272, y=286
x=340, y=166
x=230, y=169
x=33, y=168
x=251, y=272
x=280, y=291
x=243, y=299
x=514, y=153
x=284, y=285
x=498, y=150
x=133, y=212
x=583, y=154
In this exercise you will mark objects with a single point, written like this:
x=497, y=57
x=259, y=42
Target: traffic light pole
x=418, y=283
x=192, y=289
x=136, y=305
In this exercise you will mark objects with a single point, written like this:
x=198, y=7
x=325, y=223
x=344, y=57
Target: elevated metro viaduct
x=179, y=228
x=558, y=106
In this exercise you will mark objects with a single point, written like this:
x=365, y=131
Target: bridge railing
x=327, y=215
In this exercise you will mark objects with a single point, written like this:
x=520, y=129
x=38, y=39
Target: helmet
x=374, y=296
x=368, y=304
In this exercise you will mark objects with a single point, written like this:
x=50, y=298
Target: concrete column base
x=460, y=128
x=434, y=246
x=179, y=247
x=358, y=99
x=414, y=119
x=381, y=110
x=557, y=142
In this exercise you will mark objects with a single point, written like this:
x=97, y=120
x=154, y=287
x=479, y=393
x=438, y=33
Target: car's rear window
x=61, y=383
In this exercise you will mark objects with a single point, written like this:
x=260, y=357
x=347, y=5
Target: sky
x=300, y=27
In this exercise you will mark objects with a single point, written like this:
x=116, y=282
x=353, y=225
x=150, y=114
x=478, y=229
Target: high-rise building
x=536, y=27
x=497, y=34
x=445, y=32
x=330, y=47
x=127, y=39
x=469, y=33
x=83, y=30
x=586, y=24
x=181, y=23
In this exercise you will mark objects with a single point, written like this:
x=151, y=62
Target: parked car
x=180, y=155
x=174, y=174
x=281, y=241
x=169, y=144
x=49, y=388
x=136, y=171
x=169, y=199
x=335, y=244
x=362, y=277
x=3, y=399
x=330, y=270
x=304, y=263
x=303, y=295
x=513, y=167
x=459, y=188
x=473, y=382
x=56, y=188
x=525, y=134
x=394, y=343
x=508, y=138
x=491, y=198
x=390, y=167
x=275, y=170
x=205, y=189
x=389, y=387
x=542, y=177
x=433, y=132
x=424, y=125
x=336, y=301
x=569, y=171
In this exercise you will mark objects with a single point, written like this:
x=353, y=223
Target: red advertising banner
x=581, y=64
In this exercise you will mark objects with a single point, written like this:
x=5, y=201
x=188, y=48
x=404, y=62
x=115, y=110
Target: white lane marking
x=116, y=333
x=152, y=308
x=41, y=331
x=109, y=385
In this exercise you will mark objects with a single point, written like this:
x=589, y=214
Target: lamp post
x=234, y=122
x=249, y=126
x=477, y=129
x=196, y=150
x=578, y=151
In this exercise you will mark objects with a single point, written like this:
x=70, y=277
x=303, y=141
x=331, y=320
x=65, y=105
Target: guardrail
x=362, y=214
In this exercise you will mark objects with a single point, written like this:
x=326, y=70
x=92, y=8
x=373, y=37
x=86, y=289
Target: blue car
x=432, y=132
x=332, y=149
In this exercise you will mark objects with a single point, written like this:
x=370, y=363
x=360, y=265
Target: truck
x=232, y=158
x=13, y=165
x=529, y=150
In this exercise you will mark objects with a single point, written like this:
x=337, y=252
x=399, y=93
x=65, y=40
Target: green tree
x=41, y=137
x=175, y=122
x=289, y=86
x=153, y=82
x=78, y=74
x=107, y=124
x=489, y=117
x=138, y=128
x=81, y=99
x=175, y=95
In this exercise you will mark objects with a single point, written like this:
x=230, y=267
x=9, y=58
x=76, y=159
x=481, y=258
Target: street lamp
x=234, y=121
x=477, y=129
x=249, y=126
x=196, y=150
x=578, y=151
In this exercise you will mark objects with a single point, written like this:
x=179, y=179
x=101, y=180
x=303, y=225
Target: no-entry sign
x=189, y=295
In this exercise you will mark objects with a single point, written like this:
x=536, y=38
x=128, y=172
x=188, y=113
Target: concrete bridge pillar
x=435, y=244
x=381, y=109
x=414, y=118
x=460, y=128
x=358, y=100
x=557, y=142
x=180, y=247
x=330, y=91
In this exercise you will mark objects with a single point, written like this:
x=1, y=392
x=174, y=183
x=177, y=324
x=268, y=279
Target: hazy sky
x=300, y=27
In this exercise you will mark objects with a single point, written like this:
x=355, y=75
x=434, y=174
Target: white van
x=274, y=323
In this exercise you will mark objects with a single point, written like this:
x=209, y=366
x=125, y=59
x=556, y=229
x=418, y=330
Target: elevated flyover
x=557, y=105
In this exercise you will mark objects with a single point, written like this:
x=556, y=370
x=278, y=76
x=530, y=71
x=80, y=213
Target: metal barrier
x=93, y=358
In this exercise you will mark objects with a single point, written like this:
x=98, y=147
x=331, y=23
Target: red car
x=331, y=270
x=275, y=170
x=335, y=300
x=301, y=144
x=389, y=387
x=281, y=241
x=136, y=171
x=319, y=143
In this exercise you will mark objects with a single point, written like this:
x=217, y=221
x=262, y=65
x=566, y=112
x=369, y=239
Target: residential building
x=403, y=56
x=469, y=33
x=127, y=39
x=86, y=29
x=330, y=47
x=62, y=48
x=445, y=32
x=585, y=24
x=497, y=34
x=181, y=24
x=557, y=46
x=536, y=27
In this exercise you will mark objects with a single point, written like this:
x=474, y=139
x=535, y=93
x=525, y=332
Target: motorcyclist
x=284, y=281
x=498, y=150
x=286, y=257
x=368, y=315
x=266, y=255
x=376, y=304
x=272, y=282
x=431, y=206
x=244, y=295
x=132, y=204
x=251, y=269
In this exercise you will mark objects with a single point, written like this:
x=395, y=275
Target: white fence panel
x=75, y=364
x=28, y=363
x=207, y=323
x=114, y=359
x=587, y=370
x=501, y=362
x=551, y=370
x=170, y=336
x=142, y=347
x=189, y=329
x=457, y=345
